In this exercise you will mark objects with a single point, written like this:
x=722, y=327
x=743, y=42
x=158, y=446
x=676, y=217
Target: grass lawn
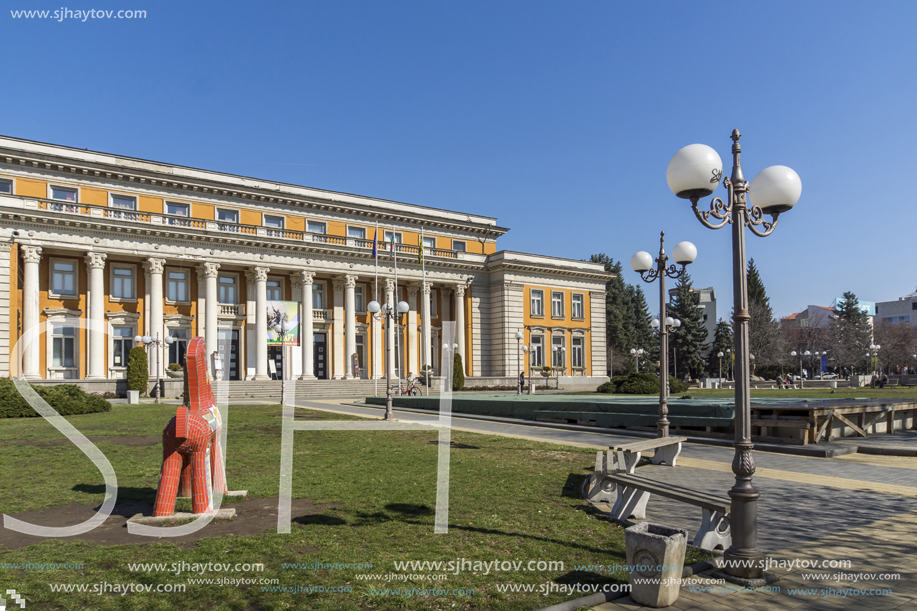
x=510, y=499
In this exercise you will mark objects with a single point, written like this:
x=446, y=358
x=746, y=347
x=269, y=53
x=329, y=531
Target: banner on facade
x=285, y=315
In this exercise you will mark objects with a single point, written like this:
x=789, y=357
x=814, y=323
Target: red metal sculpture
x=191, y=454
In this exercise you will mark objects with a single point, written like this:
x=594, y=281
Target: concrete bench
x=666, y=450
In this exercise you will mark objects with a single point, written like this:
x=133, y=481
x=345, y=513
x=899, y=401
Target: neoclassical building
x=136, y=247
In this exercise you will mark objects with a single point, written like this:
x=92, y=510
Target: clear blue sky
x=557, y=118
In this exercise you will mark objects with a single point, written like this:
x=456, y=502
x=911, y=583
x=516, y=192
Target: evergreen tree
x=137, y=370
x=642, y=331
x=688, y=340
x=617, y=307
x=756, y=292
x=765, y=339
x=722, y=341
x=850, y=334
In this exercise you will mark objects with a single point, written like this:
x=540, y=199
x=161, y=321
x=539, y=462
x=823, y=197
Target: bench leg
x=595, y=489
x=713, y=532
x=667, y=454
x=628, y=461
x=631, y=503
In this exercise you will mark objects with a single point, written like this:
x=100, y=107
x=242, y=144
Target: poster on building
x=282, y=323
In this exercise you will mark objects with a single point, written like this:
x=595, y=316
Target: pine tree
x=756, y=292
x=765, y=341
x=850, y=334
x=617, y=306
x=137, y=370
x=722, y=341
x=641, y=329
x=688, y=340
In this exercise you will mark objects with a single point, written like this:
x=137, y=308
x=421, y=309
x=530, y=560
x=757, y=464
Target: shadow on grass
x=124, y=492
x=456, y=445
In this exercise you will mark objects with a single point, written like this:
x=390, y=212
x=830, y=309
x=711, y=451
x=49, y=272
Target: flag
x=420, y=250
x=375, y=243
x=393, y=247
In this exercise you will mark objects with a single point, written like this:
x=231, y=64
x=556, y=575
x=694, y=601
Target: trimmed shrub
x=458, y=373
x=138, y=372
x=640, y=384
x=607, y=388
x=175, y=367
x=67, y=399
x=676, y=385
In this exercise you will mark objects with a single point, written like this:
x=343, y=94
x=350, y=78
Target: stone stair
x=270, y=389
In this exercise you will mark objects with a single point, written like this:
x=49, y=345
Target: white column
x=378, y=353
x=414, y=362
x=390, y=329
x=306, y=338
x=95, y=266
x=201, y=317
x=261, y=323
x=31, y=255
x=155, y=268
x=425, y=323
x=459, y=290
x=337, y=331
x=211, y=324
x=350, y=325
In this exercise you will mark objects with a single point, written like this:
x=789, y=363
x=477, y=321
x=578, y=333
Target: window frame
x=111, y=278
x=167, y=203
x=283, y=221
x=562, y=305
x=187, y=282
x=532, y=312
x=52, y=186
x=359, y=294
x=582, y=303
x=399, y=236
x=536, y=339
x=113, y=339
x=12, y=182
x=559, y=352
x=324, y=225
x=178, y=340
x=464, y=244
x=75, y=357
x=430, y=246
x=113, y=194
x=76, y=279
x=280, y=287
x=236, y=211
x=235, y=288
x=578, y=349
x=318, y=290
x=358, y=228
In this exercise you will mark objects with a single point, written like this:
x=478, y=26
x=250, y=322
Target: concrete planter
x=655, y=559
x=133, y=397
x=175, y=374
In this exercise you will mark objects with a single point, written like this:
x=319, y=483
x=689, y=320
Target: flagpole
x=376, y=299
x=423, y=328
x=397, y=314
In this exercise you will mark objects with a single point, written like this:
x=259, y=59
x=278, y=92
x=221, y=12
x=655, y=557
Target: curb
x=604, y=597
x=893, y=451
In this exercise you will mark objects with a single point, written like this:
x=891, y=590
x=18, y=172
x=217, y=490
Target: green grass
x=510, y=499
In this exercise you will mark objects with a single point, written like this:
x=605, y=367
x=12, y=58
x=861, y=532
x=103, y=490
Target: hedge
x=640, y=384
x=67, y=399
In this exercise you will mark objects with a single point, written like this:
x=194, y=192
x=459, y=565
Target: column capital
x=427, y=288
x=350, y=281
x=210, y=270
x=412, y=291
x=155, y=266
x=261, y=273
x=249, y=278
x=95, y=260
x=295, y=281
x=389, y=285
x=337, y=284
x=305, y=276
x=459, y=290
x=30, y=254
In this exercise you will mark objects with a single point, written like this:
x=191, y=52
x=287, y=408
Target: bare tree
x=898, y=342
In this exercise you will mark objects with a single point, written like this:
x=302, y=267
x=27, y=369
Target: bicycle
x=398, y=389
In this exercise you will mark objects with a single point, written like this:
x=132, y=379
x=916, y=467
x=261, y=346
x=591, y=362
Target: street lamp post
x=389, y=314
x=525, y=351
x=732, y=363
x=637, y=352
x=793, y=353
x=693, y=173
x=719, y=355
x=518, y=361
x=875, y=356
x=683, y=254
x=156, y=342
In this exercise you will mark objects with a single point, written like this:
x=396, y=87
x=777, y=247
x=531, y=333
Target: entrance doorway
x=319, y=357
x=232, y=363
x=275, y=354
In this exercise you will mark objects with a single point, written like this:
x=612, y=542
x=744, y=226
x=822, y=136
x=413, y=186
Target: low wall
x=172, y=388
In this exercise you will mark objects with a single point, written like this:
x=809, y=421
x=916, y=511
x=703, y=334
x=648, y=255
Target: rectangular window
x=578, y=354
x=429, y=242
x=123, y=202
x=122, y=342
x=558, y=352
x=63, y=278
x=178, y=209
x=63, y=193
x=274, y=222
x=178, y=347
x=177, y=286
x=459, y=245
x=227, y=216
x=361, y=351
x=122, y=282
x=315, y=227
x=358, y=233
x=318, y=296
x=536, y=351
x=557, y=304
x=387, y=237
x=6, y=186
x=359, y=301
x=576, y=307
x=537, y=303
x=63, y=346
x=274, y=290
x=434, y=301
x=227, y=289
